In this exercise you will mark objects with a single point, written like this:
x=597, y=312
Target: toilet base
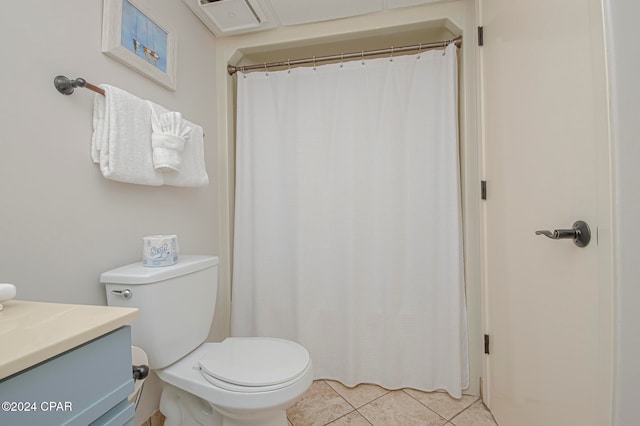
x=181, y=408
x=272, y=418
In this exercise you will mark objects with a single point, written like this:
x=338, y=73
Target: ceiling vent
x=228, y=17
x=295, y=12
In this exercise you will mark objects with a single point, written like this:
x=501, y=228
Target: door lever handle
x=547, y=234
x=579, y=233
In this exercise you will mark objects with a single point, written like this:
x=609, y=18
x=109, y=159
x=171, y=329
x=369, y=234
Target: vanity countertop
x=32, y=332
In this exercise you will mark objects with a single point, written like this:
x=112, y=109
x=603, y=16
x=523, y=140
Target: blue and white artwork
x=143, y=37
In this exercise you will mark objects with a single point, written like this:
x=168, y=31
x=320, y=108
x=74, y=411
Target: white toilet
x=239, y=382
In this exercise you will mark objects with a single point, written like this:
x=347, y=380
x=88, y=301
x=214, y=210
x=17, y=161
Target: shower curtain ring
x=419, y=50
x=341, y=59
x=289, y=66
x=266, y=70
x=391, y=57
x=445, y=43
x=363, y=57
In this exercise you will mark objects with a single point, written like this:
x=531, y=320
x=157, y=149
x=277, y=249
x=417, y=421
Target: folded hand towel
x=193, y=170
x=167, y=151
x=167, y=140
x=121, y=140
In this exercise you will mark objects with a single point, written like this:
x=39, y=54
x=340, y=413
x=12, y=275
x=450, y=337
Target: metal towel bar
x=66, y=86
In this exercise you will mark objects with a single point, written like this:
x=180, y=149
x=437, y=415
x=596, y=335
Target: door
x=546, y=162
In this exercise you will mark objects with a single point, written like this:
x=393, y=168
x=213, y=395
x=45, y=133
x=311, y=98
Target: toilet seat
x=253, y=364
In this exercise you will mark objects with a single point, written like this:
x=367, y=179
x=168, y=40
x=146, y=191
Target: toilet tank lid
x=135, y=273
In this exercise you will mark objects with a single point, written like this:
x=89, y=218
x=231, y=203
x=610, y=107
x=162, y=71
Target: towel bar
x=67, y=86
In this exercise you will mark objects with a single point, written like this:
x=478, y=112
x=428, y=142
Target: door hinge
x=486, y=344
x=483, y=189
x=480, y=36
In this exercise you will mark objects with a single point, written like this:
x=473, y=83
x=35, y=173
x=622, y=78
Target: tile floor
x=331, y=403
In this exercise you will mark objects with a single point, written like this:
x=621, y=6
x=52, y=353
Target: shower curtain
x=348, y=234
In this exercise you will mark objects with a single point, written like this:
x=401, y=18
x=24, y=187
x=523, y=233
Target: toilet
x=241, y=381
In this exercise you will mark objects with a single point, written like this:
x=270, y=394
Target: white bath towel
x=193, y=171
x=121, y=141
x=167, y=140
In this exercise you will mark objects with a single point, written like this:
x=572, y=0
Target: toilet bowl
x=244, y=404
x=241, y=381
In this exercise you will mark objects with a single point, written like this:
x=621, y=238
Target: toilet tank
x=176, y=304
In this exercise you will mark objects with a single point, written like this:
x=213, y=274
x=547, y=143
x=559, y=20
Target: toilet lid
x=255, y=361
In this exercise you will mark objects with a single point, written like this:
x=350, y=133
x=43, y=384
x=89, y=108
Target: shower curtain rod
x=314, y=60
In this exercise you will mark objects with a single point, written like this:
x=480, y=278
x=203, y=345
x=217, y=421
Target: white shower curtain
x=348, y=233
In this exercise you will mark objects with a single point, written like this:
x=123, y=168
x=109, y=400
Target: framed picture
x=131, y=35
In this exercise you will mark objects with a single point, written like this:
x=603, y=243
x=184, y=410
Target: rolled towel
x=167, y=151
x=167, y=140
x=194, y=170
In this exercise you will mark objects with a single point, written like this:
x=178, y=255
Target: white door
x=546, y=162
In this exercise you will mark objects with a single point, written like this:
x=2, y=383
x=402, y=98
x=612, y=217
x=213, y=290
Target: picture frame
x=134, y=36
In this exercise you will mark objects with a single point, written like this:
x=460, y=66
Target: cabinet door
x=77, y=387
x=546, y=147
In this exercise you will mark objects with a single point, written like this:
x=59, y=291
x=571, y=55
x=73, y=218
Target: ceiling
x=231, y=17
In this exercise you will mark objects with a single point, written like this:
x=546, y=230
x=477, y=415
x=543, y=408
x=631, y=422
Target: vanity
x=64, y=364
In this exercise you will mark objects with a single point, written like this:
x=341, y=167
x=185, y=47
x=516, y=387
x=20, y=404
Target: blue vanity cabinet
x=87, y=385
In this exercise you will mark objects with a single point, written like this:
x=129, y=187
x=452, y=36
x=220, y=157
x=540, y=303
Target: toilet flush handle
x=124, y=293
x=140, y=372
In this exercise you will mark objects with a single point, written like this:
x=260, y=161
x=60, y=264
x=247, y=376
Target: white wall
x=61, y=222
x=624, y=67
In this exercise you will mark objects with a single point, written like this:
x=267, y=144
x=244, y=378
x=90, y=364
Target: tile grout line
x=339, y=396
x=344, y=399
x=426, y=406
x=479, y=400
x=355, y=409
x=387, y=392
